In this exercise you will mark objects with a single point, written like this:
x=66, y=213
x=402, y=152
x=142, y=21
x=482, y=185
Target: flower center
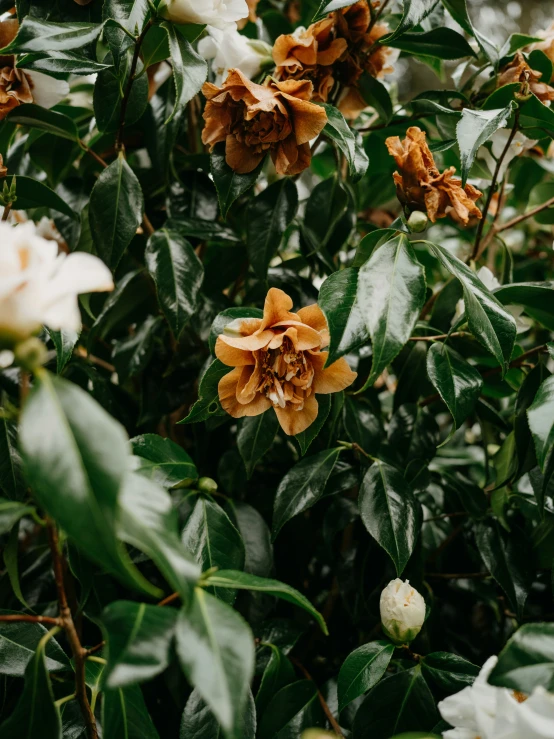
x=286, y=375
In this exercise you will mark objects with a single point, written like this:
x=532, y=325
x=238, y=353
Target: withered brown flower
x=519, y=71
x=278, y=363
x=276, y=118
x=420, y=185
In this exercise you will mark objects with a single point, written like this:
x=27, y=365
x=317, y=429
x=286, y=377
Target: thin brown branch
x=332, y=720
x=93, y=154
x=82, y=352
x=439, y=336
x=79, y=653
x=523, y=217
x=27, y=618
x=170, y=599
x=6, y=212
x=96, y=648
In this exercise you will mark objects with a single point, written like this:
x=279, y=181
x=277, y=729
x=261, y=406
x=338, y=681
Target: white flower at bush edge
x=402, y=611
x=229, y=49
x=39, y=287
x=483, y=711
x=217, y=13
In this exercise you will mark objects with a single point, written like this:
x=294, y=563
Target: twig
x=458, y=575
x=439, y=336
x=170, y=599
x=82, y=352
x=523, y=217
x=6, y=212
x=332, y=720
x=93, y=650
x=23, y=617
x=93, y=154
x=79, y=654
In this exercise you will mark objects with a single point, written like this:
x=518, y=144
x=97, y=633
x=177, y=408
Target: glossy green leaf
x=362, y=670
x=75, y=459
x=541, y=422
x=278, y=673
x=488, y=320
x=216, y=650
x=229, y=184
x=124, y=714
x=189, y=69
x=302, y=487
x=268, y=216
x=294, y=708
x=19, y=643
x=390, y=295
x=255, y=437
x=199, y=722
x=376, y=94
x=538, y=299
x=457, y=382
x=340, y=133
x=38, y=35
x=132, y=354
x=178, y=274
x=109, y=89
x=10, y=513
x=476, y=127
x=64, y=342
x=115, y=211
x=414, y=11
x=139, y=638
x=163, y=461
x=305, y=438
x=362, y=425
x=130, y=14
x=34, y=194
x=527, y=660
x=50, y=121
x=439, y=43
x=61, y=62
x=390, y=512
x=208, y=403
x=537, y=118
x=337, y=300
x=256, y=537
x=11, y=482
x=329, y=6
x=448, y=672
x=245, y=581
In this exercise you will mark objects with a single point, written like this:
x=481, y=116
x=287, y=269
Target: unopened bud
x=207, y=485
x=30, y=354
x=417, y=222
x=402, y=611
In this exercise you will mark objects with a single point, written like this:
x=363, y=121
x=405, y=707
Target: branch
x=332, y=720
x=6, y=212
x=518, y=219
x=23, y=617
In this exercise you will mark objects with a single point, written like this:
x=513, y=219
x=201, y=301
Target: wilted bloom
x=217, y=13
x=18, y=86
x=279, y=364
x=519, y=71
x=402, y=611
x=420, y=185
x=39, y=287
x=230, y=49
x=254, y=120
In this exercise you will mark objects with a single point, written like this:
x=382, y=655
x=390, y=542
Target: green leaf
x=376, y=94
x=244, y=581
x=213, y=540
x=476, y=127
x=116, y=207
x=64, y=342
x=541, y=422
x=306, y=437
x=109, y=90
x=538, y=299
x=329, y=6
x=267, y=219
x=124, y=714
x=43, y=119
x=488, y=320
x=294, y=708
x=216, y=650
x=390, y=512
x=34, y=194
x=11, y=482
x=506, y=558
x=163, y=461
x=139, y=639
x=527, y=660
x=132, y=354
x=398, y=703
x=208, y=403
x=61, y=62
x=148, y=521
x=414, y=11
x=75, y=458
x=337, y=299
x=362, y=425
x=256, y=538
x=229, y=184
x=120, y=304
x=131, y=14
x=189, y=69
x=538, y=116
x=340, y=133
x=302, y=487
x=35, y=713
x=19, y=643
x=456, y=380
x=255, y=438
x=439, y=43
x=449, y=672
x=11, y=512
x=278, y=673
x=39, y=35
x=178, y=274
x=362, y=670
x=199, y=722
x=391, y=294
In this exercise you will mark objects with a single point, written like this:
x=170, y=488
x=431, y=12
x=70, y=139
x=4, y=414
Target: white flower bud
x=402, y=611
x=417, y=222
x=217, y=13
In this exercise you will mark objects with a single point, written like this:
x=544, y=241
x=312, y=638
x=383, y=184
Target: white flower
x=520, y=144
x=229, y=49
x=217, y=13
x=39, y=287
x=535, y=716
x=402, y=611
x=47, y=91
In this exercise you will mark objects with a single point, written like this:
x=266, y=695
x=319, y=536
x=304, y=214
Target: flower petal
x=313, y=316
x=231, y=355
x=46, y=90
x=333, y=379
x=227, y=390
x=293, y=421
x=277, y=309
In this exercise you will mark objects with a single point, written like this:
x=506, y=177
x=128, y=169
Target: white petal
x=80, y=272
x=47, y=91
x=63, y=313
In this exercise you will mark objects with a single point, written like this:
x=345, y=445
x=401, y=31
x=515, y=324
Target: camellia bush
x=276, y=343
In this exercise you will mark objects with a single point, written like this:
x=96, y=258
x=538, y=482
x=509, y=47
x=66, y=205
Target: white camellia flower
x=216, y=13
x=229, y=49
x=402, y=611
x=520, y=144
x=39, y=287
x=535, y=716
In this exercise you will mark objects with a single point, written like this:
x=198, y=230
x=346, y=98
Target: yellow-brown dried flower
x=279, y=363
x=519, y=71
x=276, y=118
x=420, y=185
x=14, y=84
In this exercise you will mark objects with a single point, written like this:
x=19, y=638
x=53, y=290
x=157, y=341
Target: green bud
x=30, y=354
x=207, y=485
x=417, y=222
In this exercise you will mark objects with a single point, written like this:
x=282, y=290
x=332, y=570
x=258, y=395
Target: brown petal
x=333, y=379
x=277, y=308
x=309, y=119
x=8, y=31
x=313, y=316
x=294, y=422
x=241, y=158
x=227, y=390
x=232, y=356
x=302, y=337
x=258, y=340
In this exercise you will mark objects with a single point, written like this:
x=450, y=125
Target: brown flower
x=278, y=363
x=3, y=168
x=310, y=54
x=420, y=185
x=519, y=71
x=254, y=120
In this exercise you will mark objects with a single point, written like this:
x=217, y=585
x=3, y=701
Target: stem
x=518, y=219
x=79, y=654
x=6, y=212
x=476, y=253
x=170, y=599
x=332, y=720
x=23, y=617
x=439, y=336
